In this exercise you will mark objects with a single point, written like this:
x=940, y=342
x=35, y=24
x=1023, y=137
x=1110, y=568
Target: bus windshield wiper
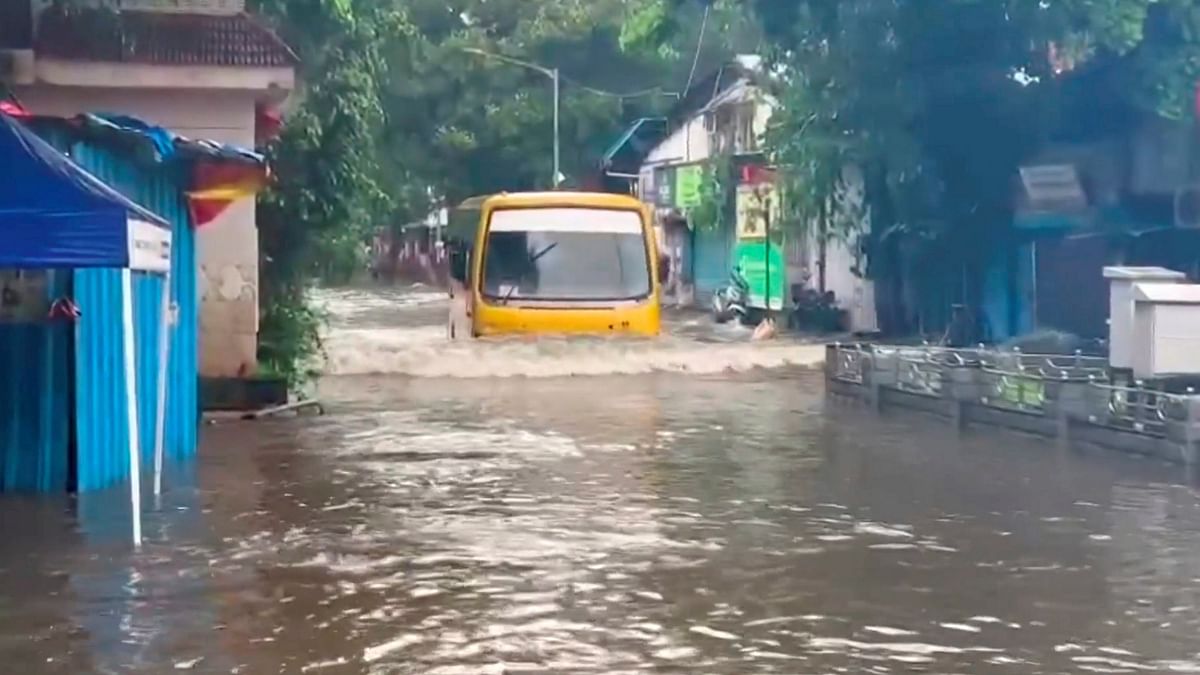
x=532, y=259
x=538, y=256
x=509, y=294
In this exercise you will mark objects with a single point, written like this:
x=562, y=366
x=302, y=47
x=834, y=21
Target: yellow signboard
x=754, y=204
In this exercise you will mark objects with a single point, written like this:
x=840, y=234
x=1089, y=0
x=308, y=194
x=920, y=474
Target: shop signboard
x=755, y=204
x=664, y=182
x=688, y=182
x=763, y=266
x=758, y=251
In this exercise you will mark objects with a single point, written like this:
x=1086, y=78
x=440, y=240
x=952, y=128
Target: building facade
x=722, y=122
x=202, y=68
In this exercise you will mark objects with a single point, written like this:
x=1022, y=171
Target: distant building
x=203, y=68
x=662, y=160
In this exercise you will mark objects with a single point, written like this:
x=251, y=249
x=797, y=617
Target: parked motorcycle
x=733, y=301
x=815, y=311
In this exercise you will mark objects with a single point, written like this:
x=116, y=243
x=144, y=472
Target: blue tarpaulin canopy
x=55, y=214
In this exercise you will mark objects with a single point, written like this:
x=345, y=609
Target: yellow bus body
x=489, y=317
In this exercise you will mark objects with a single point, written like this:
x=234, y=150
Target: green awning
x=633, y=144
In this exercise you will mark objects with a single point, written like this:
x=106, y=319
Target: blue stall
x=86, y=384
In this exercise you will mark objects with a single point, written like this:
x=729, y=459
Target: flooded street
x=468, y=509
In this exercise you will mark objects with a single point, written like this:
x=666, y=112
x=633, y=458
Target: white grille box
x=1166, y=330
x=1120, y=307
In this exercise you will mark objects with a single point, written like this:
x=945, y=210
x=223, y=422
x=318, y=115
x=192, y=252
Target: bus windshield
x=566, y=254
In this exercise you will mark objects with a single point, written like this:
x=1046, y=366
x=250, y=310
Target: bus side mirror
x=459, y=258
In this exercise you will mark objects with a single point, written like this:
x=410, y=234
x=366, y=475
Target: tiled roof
x=157, y=38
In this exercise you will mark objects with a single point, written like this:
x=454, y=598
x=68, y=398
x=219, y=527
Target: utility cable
x=653, y=91
x=699, y=48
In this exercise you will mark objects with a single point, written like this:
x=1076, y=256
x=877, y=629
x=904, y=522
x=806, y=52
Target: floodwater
x=690, y=512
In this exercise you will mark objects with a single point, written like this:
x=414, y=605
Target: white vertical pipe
x=164, y=347
x=135, y=460
x=557, y=147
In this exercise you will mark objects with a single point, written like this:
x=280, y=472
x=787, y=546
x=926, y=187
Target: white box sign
x=149, y=247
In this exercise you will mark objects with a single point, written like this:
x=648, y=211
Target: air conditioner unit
x=16, y=66
x=1053, y=187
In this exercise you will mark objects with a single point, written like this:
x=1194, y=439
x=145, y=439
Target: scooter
x=733, y=301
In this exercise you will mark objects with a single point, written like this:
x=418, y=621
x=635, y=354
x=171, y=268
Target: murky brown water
x=668, y=523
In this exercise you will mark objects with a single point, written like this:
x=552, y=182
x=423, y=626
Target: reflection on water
x=731, y=523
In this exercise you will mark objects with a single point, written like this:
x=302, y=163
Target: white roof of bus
x=566, y=219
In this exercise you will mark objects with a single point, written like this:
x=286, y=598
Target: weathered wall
x=688, y=143
x=854, y=293
x=228, y=247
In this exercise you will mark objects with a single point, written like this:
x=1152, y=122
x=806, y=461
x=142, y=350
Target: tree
x=326, y=162
x=400, y=113
x=938, y=103
x=481, y=125
x=395, y=116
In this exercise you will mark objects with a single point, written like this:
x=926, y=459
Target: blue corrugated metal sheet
x=147, y=321
x=103, y=429
x=34, y=359
x=1026, y=295
x=101, y=418
x=34, y=399
x=997, y=296
x=712, y=260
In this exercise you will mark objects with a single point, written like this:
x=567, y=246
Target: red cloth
x=753, y=174
x=13, y=109
x=268, y=123
x=217, y=185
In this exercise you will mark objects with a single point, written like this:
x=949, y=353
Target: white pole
x=135, y=460
x=557, y=162
x=164, y=350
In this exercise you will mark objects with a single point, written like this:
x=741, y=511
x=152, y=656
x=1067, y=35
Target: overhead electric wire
x=652, y=91
x=699, y=48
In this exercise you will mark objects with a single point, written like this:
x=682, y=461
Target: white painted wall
x=228, y=246
x=217, y=7
x=688, y=143
x=697, y=141
x=854, y=294
x=56, y=72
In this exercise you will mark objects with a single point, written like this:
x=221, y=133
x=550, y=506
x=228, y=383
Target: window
x=566, y=254
x=745, y=140
x=732, y=129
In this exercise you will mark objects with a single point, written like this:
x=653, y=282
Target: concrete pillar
x=958, y=414
x=1070, y=403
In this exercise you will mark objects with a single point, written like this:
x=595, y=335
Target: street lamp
x=551, y=73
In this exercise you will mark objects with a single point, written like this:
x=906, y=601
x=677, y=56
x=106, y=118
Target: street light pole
x=551, y=73
x=557, y=172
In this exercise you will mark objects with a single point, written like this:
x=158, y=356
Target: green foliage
x=290, y=341
x=399, y=114
x=327, y=194
x=716, y=195
x=938, y=104
x=480, y=124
